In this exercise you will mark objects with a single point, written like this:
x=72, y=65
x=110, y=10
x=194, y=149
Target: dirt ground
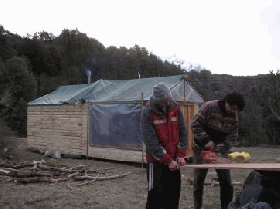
x=128, y=192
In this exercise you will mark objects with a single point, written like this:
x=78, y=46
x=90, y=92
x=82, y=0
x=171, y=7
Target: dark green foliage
x=36, y=65
x=252, y=124
x=6, y=49
x=19, y=88
x=271, y=107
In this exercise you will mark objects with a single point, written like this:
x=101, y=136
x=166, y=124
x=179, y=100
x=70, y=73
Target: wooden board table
x=252, y=166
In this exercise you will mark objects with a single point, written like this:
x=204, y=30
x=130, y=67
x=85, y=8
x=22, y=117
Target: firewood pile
x=40, y=171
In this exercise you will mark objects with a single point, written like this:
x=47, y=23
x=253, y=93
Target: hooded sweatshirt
x=164, y=132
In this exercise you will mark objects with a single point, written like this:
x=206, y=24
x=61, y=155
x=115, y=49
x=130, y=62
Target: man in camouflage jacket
x=214, y=127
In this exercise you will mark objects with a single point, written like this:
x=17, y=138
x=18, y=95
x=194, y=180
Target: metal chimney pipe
x=89, y=79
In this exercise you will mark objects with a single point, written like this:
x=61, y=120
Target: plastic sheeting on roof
x=119, y=91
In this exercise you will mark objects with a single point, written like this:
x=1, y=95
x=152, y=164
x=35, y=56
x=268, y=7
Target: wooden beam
x=253, y=166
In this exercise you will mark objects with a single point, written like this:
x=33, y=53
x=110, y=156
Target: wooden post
x=88, y=126
x=141, y=112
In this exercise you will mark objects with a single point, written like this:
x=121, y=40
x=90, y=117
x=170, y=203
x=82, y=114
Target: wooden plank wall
x=63, y=128
x=189, y=110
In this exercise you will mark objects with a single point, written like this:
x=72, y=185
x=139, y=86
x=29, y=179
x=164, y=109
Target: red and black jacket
x=164, y=134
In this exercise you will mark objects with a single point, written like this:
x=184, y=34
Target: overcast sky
x=236, y=37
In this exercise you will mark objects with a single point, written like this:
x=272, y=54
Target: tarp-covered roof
x=119, y=91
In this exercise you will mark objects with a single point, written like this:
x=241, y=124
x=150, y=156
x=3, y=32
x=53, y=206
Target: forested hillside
x=35, y=65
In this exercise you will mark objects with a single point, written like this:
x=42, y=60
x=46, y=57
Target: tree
x=253, y=123
x=6, y=48
x=20, y=83
x=271, y=110
x=44, y=57
x=81, y=52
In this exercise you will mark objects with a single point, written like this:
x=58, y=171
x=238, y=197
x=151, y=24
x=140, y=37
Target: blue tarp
x=119, y=90
x=116, y=125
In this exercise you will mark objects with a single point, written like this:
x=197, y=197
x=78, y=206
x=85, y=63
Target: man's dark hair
x=235, y=99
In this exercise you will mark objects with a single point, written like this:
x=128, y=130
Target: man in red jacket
x=165, y=137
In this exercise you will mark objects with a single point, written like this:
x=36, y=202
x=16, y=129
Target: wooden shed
x=102, y=119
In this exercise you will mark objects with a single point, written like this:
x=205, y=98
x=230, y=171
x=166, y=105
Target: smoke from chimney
x=88, y=72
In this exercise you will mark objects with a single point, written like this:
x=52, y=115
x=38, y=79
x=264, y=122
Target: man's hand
x=208, y=156
x=210, y=145
x=221, y=147
x=181, y=161
x=173, y=166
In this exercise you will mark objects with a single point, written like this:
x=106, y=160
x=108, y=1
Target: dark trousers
x=226, y=188
x=164, y=187
x=224, y=177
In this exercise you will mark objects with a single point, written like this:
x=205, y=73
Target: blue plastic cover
x=115, y=125
x=119, y=90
